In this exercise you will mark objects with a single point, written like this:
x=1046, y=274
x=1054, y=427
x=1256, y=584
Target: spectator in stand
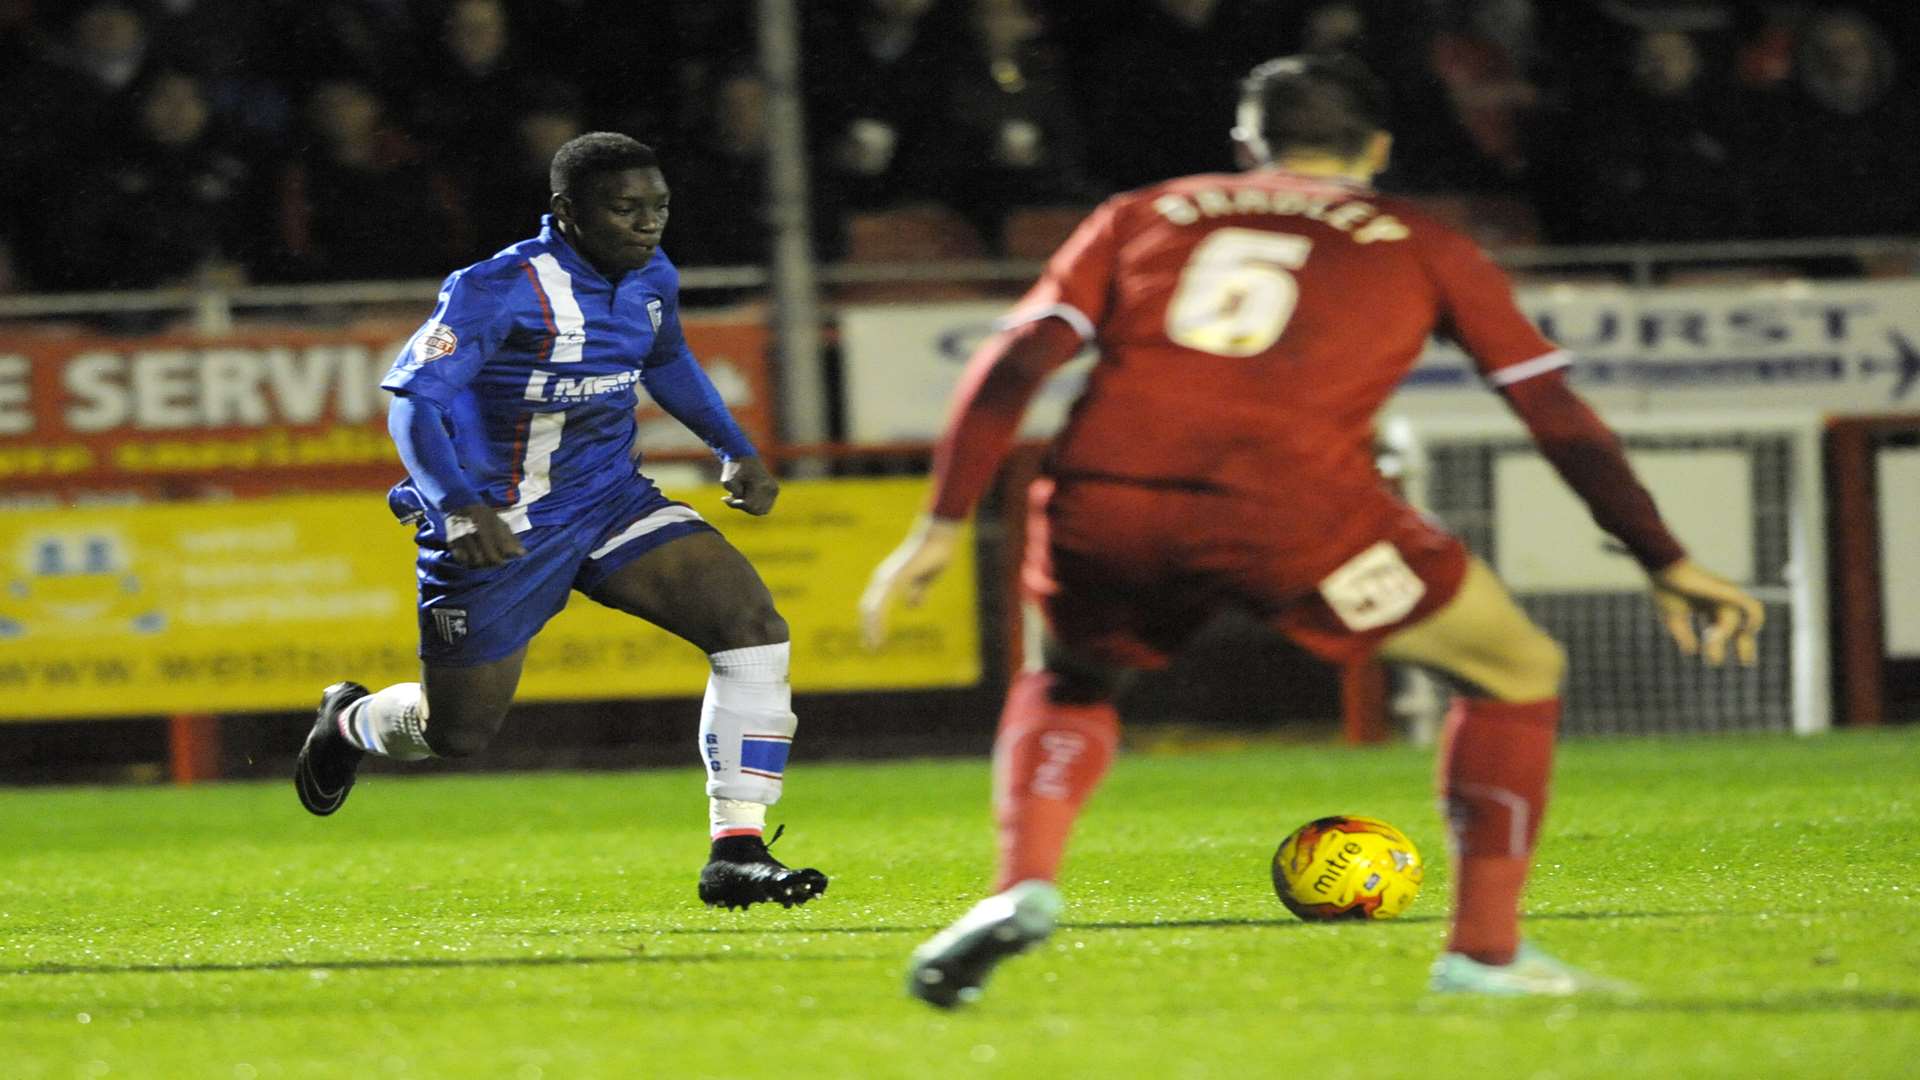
x=720, y=183
x=1144, y=69
x=1433, y=150
x=376, y=39
x=1658, y=165
x=1019, y=141
x=1484, y=60
x=174, y=204
x=877, y=77
x=233, y=47
x=1591, y=37
x=1764, y=59
x=1837, y=148
x=475, y=82
x=507, y=197
x=362, y=201
x=58, y=102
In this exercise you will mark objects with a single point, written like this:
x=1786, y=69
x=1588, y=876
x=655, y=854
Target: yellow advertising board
x=257, y=604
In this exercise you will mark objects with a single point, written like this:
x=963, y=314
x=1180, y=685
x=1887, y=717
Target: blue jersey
x=536, y=359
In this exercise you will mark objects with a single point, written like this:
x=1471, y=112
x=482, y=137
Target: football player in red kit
x=1249, y=326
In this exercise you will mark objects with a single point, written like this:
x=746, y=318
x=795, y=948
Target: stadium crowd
x=157, y=142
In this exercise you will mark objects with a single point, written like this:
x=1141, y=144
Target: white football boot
x=1531, y=974
x=949, y=969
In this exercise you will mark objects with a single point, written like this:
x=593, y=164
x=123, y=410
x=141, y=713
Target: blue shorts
x=472, y=616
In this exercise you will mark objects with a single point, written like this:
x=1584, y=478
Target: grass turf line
x=1760, y=890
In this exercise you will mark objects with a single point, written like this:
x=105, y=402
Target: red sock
x=1047, y=758
x=1495, y=757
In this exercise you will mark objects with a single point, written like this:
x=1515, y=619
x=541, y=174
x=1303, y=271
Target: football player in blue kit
x=514, y=414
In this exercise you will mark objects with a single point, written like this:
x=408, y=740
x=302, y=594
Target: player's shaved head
x=1326, y=104
x=585, y=156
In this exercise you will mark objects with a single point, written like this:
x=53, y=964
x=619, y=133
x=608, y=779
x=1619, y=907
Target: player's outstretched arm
x=1588, y=456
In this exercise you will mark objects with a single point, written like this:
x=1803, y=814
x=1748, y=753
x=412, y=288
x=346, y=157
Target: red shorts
x=1126, y=573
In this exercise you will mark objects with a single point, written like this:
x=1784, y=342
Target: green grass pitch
x=1762, y=892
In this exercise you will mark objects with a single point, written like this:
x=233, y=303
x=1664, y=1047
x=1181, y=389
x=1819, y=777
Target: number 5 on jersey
x=1237, y=292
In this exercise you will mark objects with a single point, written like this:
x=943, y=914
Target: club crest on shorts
x=450, y=623
x=656, y=311
x=434, y=341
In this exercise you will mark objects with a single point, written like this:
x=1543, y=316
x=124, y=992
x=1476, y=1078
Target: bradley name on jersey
x=1361, y=219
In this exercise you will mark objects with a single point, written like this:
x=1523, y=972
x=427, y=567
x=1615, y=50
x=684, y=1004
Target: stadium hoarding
x=1844, y=348
x=254, y=604
x=267, y=409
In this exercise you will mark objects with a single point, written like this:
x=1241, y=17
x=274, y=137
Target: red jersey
x=1249, y=327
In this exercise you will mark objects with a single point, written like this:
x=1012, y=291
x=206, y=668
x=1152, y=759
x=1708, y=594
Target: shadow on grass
x=1780, y=1003
x=1283, y=922
x=1890, y=1002
x=423, y=963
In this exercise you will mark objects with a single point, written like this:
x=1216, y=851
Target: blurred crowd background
x=163, y=142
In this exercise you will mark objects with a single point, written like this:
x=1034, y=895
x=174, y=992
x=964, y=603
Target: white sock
x=391, y=723
x=746, y=727
x=735, y=817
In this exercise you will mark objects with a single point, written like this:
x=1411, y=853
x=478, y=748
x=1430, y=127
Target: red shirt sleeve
x=1000, y=379
x=1078, y=281
x=1478, y=312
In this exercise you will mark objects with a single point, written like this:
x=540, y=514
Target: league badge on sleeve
x=434, y=341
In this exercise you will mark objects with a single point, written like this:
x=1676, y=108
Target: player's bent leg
x=394, y=723
x=701, y=588
x=1495, y=759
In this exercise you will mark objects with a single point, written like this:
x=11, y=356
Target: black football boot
x=324, y=774
x=740, y=873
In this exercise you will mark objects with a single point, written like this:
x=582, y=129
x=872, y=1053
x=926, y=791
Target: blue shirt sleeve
x=421, y=431
x=677, y=383
x=467, y=326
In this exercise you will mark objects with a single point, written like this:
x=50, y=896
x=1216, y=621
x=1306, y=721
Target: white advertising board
x=1546, y=541
x=1840, y=348
x=901, y=363
x=1900, y=550
x=1837, y=347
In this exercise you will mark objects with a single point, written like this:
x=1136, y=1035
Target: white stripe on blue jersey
x=570, y=327
x=536, y=467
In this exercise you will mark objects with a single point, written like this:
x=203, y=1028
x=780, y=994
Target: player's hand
x=906, y=574
x=480, y=538
x=1683, y=592
x=749, y=485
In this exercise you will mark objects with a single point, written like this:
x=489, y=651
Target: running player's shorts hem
x=596, y=572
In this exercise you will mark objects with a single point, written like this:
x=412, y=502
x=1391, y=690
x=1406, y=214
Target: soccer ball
x=1347, y=867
